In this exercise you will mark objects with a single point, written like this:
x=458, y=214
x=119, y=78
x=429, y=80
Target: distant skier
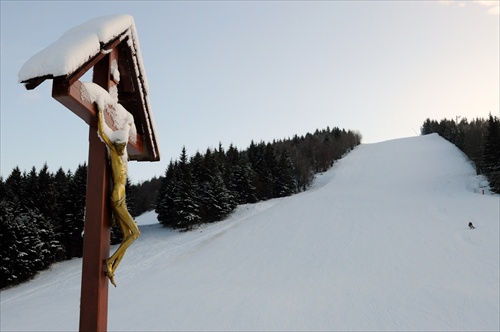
x=471, y=226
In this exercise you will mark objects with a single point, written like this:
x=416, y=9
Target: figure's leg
x=114, y=260
x=130, y=234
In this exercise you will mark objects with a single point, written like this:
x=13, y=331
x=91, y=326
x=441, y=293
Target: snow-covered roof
x=75, y=47
x=80, y=48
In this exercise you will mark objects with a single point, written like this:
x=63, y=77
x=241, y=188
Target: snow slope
x=379, y=243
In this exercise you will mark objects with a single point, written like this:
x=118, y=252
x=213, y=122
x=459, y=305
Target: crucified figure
x=122, y=216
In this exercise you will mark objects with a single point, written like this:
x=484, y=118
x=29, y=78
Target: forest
x=207, y=187
x=42, y=213
x=479, y=139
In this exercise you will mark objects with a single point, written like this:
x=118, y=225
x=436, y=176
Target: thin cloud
x=494, y=10
x=493, y=6
x=487, y=3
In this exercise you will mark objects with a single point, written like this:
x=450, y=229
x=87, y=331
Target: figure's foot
x=109, y=272
x=111, y=278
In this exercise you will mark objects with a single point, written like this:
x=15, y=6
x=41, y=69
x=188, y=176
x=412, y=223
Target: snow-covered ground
x=380, y=242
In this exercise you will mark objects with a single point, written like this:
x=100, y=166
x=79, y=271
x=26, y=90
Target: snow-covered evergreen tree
x=74, y=213
x=285, y=184
x=165, y=200
x=22, y=250
x=491, y=159
x=216, y=200
x=242, y=174
x=186, y=208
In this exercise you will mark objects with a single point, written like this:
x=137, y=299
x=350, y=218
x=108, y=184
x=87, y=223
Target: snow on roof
x=75, y=47
x=85, y=42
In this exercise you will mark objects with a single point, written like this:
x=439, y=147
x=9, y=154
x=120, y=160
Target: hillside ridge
x=379, y=242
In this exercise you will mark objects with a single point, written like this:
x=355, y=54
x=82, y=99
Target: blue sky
x=232, y=72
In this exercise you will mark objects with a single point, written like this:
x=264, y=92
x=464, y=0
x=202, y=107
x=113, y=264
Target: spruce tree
x=14, y=186
x=61, y=184
x=241, y=178
x=285, y=184
x=46, y=197
x=21, y=250
x=165, y=200
x=186, y=207
x=216, y=201
x=491, y=159
x=177, y=199
x=270, y=171
x=74, y=213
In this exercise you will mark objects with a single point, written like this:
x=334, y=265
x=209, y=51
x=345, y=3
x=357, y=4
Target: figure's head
x=120, y=147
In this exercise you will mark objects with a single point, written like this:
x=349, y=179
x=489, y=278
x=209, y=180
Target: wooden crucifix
x=119, y=83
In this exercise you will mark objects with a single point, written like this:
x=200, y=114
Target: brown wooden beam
x=71, y=97
x=34, y=82
x=94, y=291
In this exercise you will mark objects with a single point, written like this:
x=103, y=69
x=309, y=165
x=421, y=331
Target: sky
x=231, y=72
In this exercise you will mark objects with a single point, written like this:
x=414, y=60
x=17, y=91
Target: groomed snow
x=379, y=243
x=75, y=47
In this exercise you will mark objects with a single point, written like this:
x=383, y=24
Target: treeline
x=41, y=221
x=207, y=187
x=479, y=139
x=42, y=213
x=141, y=197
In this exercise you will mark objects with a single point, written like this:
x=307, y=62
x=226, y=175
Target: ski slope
x=380, y=242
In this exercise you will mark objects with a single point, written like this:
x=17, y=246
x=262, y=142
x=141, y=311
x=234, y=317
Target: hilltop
x=380, y=242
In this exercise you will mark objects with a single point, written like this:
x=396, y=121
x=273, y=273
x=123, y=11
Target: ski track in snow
x=379, y=242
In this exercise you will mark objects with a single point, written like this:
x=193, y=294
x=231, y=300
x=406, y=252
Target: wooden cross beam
x=96, y=240
x=132, y=94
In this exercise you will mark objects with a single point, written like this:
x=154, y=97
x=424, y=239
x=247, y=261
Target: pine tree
x=165, y=200
x=215, y=200
x=74, y=213
x=143, y=195
x=262, y=161
x=285, y=184
x=61, y=184
x=270, y=171
x=30, y=188
x=3, y=193
x=14, y=186
x=130, y=202
x=240, y=183
x=21, y=250
x=45, y=199
x=491, y=160
x=186, y=208
x=28, y=241
x=177, y=199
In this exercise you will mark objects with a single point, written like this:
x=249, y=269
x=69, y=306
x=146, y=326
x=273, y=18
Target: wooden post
x=94, y=291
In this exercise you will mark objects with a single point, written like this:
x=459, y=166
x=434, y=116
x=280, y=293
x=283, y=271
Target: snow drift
x=380, y=242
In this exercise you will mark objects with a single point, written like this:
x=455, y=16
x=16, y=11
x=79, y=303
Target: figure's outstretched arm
x=100, y=126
